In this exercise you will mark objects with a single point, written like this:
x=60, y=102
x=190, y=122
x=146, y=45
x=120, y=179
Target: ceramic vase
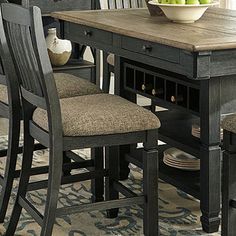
x=59, y=50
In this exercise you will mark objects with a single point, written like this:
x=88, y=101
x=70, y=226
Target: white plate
x=178, y=154
x=181, y=167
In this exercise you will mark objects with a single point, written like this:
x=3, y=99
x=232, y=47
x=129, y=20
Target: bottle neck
x=52, y=31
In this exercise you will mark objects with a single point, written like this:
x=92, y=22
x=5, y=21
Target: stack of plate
x=178, y=159
x=196, y=131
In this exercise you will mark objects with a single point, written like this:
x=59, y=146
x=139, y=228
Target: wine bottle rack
x=163, y=86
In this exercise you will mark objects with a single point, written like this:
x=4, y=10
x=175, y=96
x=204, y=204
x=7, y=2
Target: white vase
x=59, y=50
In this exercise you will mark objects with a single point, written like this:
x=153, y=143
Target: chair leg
x=54, y=182
x=106, y=75
x=13, y=143
x=112, y=164
x=66, y=160
x=124, y=165
x=153, y=106
x=97, y=185
x=150, y=186
x=24, y=179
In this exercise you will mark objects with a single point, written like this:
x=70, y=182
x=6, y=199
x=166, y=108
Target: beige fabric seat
x=3, y=94
x=229, y=123
x=111, y=59
x=99, y=114
x=67, y=86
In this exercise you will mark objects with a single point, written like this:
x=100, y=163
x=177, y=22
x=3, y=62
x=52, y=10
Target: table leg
x=210, y=152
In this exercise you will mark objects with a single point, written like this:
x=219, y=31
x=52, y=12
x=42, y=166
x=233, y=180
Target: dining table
x=189, y=69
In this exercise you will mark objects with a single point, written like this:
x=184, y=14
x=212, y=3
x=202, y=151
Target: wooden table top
x=216, y=30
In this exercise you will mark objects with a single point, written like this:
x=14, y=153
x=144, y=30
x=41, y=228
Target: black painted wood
x=115, y=4
x=112, y=162
x=27, y=41
x=210, y=152
x=228, y=185
x=11, y=111
x=76, y=65
x=214, y=71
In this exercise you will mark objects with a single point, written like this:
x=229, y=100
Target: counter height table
x=188, y=68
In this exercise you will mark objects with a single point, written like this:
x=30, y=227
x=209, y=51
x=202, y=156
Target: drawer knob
x=147, y=48
x=87, y=33
x=179, y=98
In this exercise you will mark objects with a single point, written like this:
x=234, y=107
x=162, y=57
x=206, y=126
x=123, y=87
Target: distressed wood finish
x=228, y=183
x=204, y=53
x=40, y=91
x=12, y=111
x=114, y=4
x=214, y=31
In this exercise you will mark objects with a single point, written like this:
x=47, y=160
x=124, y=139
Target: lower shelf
x=74, y=64
x=187, y=181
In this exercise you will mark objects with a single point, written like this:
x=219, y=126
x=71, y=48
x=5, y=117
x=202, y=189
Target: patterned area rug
x=178, y=213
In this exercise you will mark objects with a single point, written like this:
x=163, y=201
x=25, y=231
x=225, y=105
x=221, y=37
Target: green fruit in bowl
x=165, y=1
x=205, y=1
x=180, y=1
x=172, y=1
x=195, y=2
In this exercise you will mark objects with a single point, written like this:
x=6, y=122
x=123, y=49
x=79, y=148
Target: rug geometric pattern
x=179, y=213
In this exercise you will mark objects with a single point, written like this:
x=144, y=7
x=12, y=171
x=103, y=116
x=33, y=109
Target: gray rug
x=178, y=213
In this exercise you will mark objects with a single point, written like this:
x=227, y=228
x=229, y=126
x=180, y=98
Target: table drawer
x=151, y=49
x=84, y=34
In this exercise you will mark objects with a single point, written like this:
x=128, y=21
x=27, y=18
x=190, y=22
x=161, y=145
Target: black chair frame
x=38, y=89
x=11, y=111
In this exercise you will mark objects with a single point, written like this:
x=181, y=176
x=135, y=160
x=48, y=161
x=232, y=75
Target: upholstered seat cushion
x=3, y=94
x=111, y=59
x=229, y=123
x=99, y=114
x=67, y=86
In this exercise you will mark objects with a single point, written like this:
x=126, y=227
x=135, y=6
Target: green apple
x=165, y=1
x=192, y=2
x=172, y=1
x=180, y=1
x=205, y=1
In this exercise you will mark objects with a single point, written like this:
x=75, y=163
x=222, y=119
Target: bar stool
x=10, y=107
x=73, y=123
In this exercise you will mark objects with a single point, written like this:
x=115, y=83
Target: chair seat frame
x=41, y=92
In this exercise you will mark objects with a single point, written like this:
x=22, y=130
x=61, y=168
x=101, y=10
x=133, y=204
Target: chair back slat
x=120, y=4
x=8, y=74
x=19, y=36
x=25, y=38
